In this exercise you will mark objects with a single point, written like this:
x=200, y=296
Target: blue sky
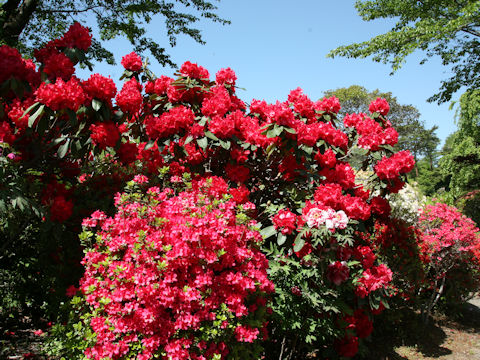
x=277, y=46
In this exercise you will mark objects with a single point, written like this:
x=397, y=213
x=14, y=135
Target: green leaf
x=42, y=125
x=268, y=231
x=72, y=116
x=225, y=144
x=388, y=147
x=62, y=149
x=188, y=139
x=210, y=135
x=203, y=143
x=149, y=145
x=96, y=104
x=281, y=238
x=307, y=149
x=36, y=114
x=299, y=243
x=276, y=131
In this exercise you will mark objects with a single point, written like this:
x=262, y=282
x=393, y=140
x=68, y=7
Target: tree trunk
x=17, y=14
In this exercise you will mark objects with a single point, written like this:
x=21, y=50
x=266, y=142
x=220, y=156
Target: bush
x=450, y=245
x=176, y=273
x=292, y=165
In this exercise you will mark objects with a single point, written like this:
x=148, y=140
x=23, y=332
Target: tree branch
x=52, y=11
x=17, y=20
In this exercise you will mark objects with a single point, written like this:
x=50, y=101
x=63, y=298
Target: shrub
x=177, y=274
x=450, y=244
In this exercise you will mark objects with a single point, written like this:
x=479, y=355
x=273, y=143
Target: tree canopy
x=462, y=158
x=29, y=23
x=444, y=28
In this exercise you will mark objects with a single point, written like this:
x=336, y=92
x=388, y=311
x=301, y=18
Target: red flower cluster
x=177, y=119
x=226, y=77
x=194, y=71
x=77, y=36
x=376, y=277
x=371, y=133
x=104, y=134
x=338, y=272
x=100, y=87
x=61, y=95
x=132, y=62
x=380, y=106
x=286, y=221
x=173, y=268
x=399, y=163
x=12, y=65
x=129, y=99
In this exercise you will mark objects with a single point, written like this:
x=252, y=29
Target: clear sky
x=275, y=46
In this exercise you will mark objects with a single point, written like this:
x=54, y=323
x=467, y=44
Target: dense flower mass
x=61, y=95
x=177, y=266
x=179, y=271
x=399, y=163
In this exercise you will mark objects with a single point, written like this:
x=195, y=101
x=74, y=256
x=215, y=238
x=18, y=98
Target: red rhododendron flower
x=6, y=134
x=375, y=278
x=240, y=194
x=347, y=346
x=380, y=206
x=58, y=65
x=159, y=86
x=286, y=221
x=61, y=95
x=222, y=127
x=175, y=120
x=302, y=104
x=331, y=105
x=338, y=272
x=226, y=77
x=399, y=163
x=365, y=255
x=327, y=159
x=380, y=106
x=60, y=209
x=217, y=103
x=100, y=87
x=363, y=325
x=237, y=173
x=77, y=36
x=194, y=71
x=104, y=134
x=132, y=62
x=127, y=152
x=129, y=99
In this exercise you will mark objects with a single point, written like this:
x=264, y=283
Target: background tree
x=413, y=135
x=445, y=28
x=462, y=160
x=29, y=23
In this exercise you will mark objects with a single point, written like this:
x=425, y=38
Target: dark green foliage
x=461, y=159
x=28, y=24
x=444, y=28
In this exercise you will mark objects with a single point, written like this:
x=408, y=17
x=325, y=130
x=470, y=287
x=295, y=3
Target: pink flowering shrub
x=177, y=274
x=450, y=247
